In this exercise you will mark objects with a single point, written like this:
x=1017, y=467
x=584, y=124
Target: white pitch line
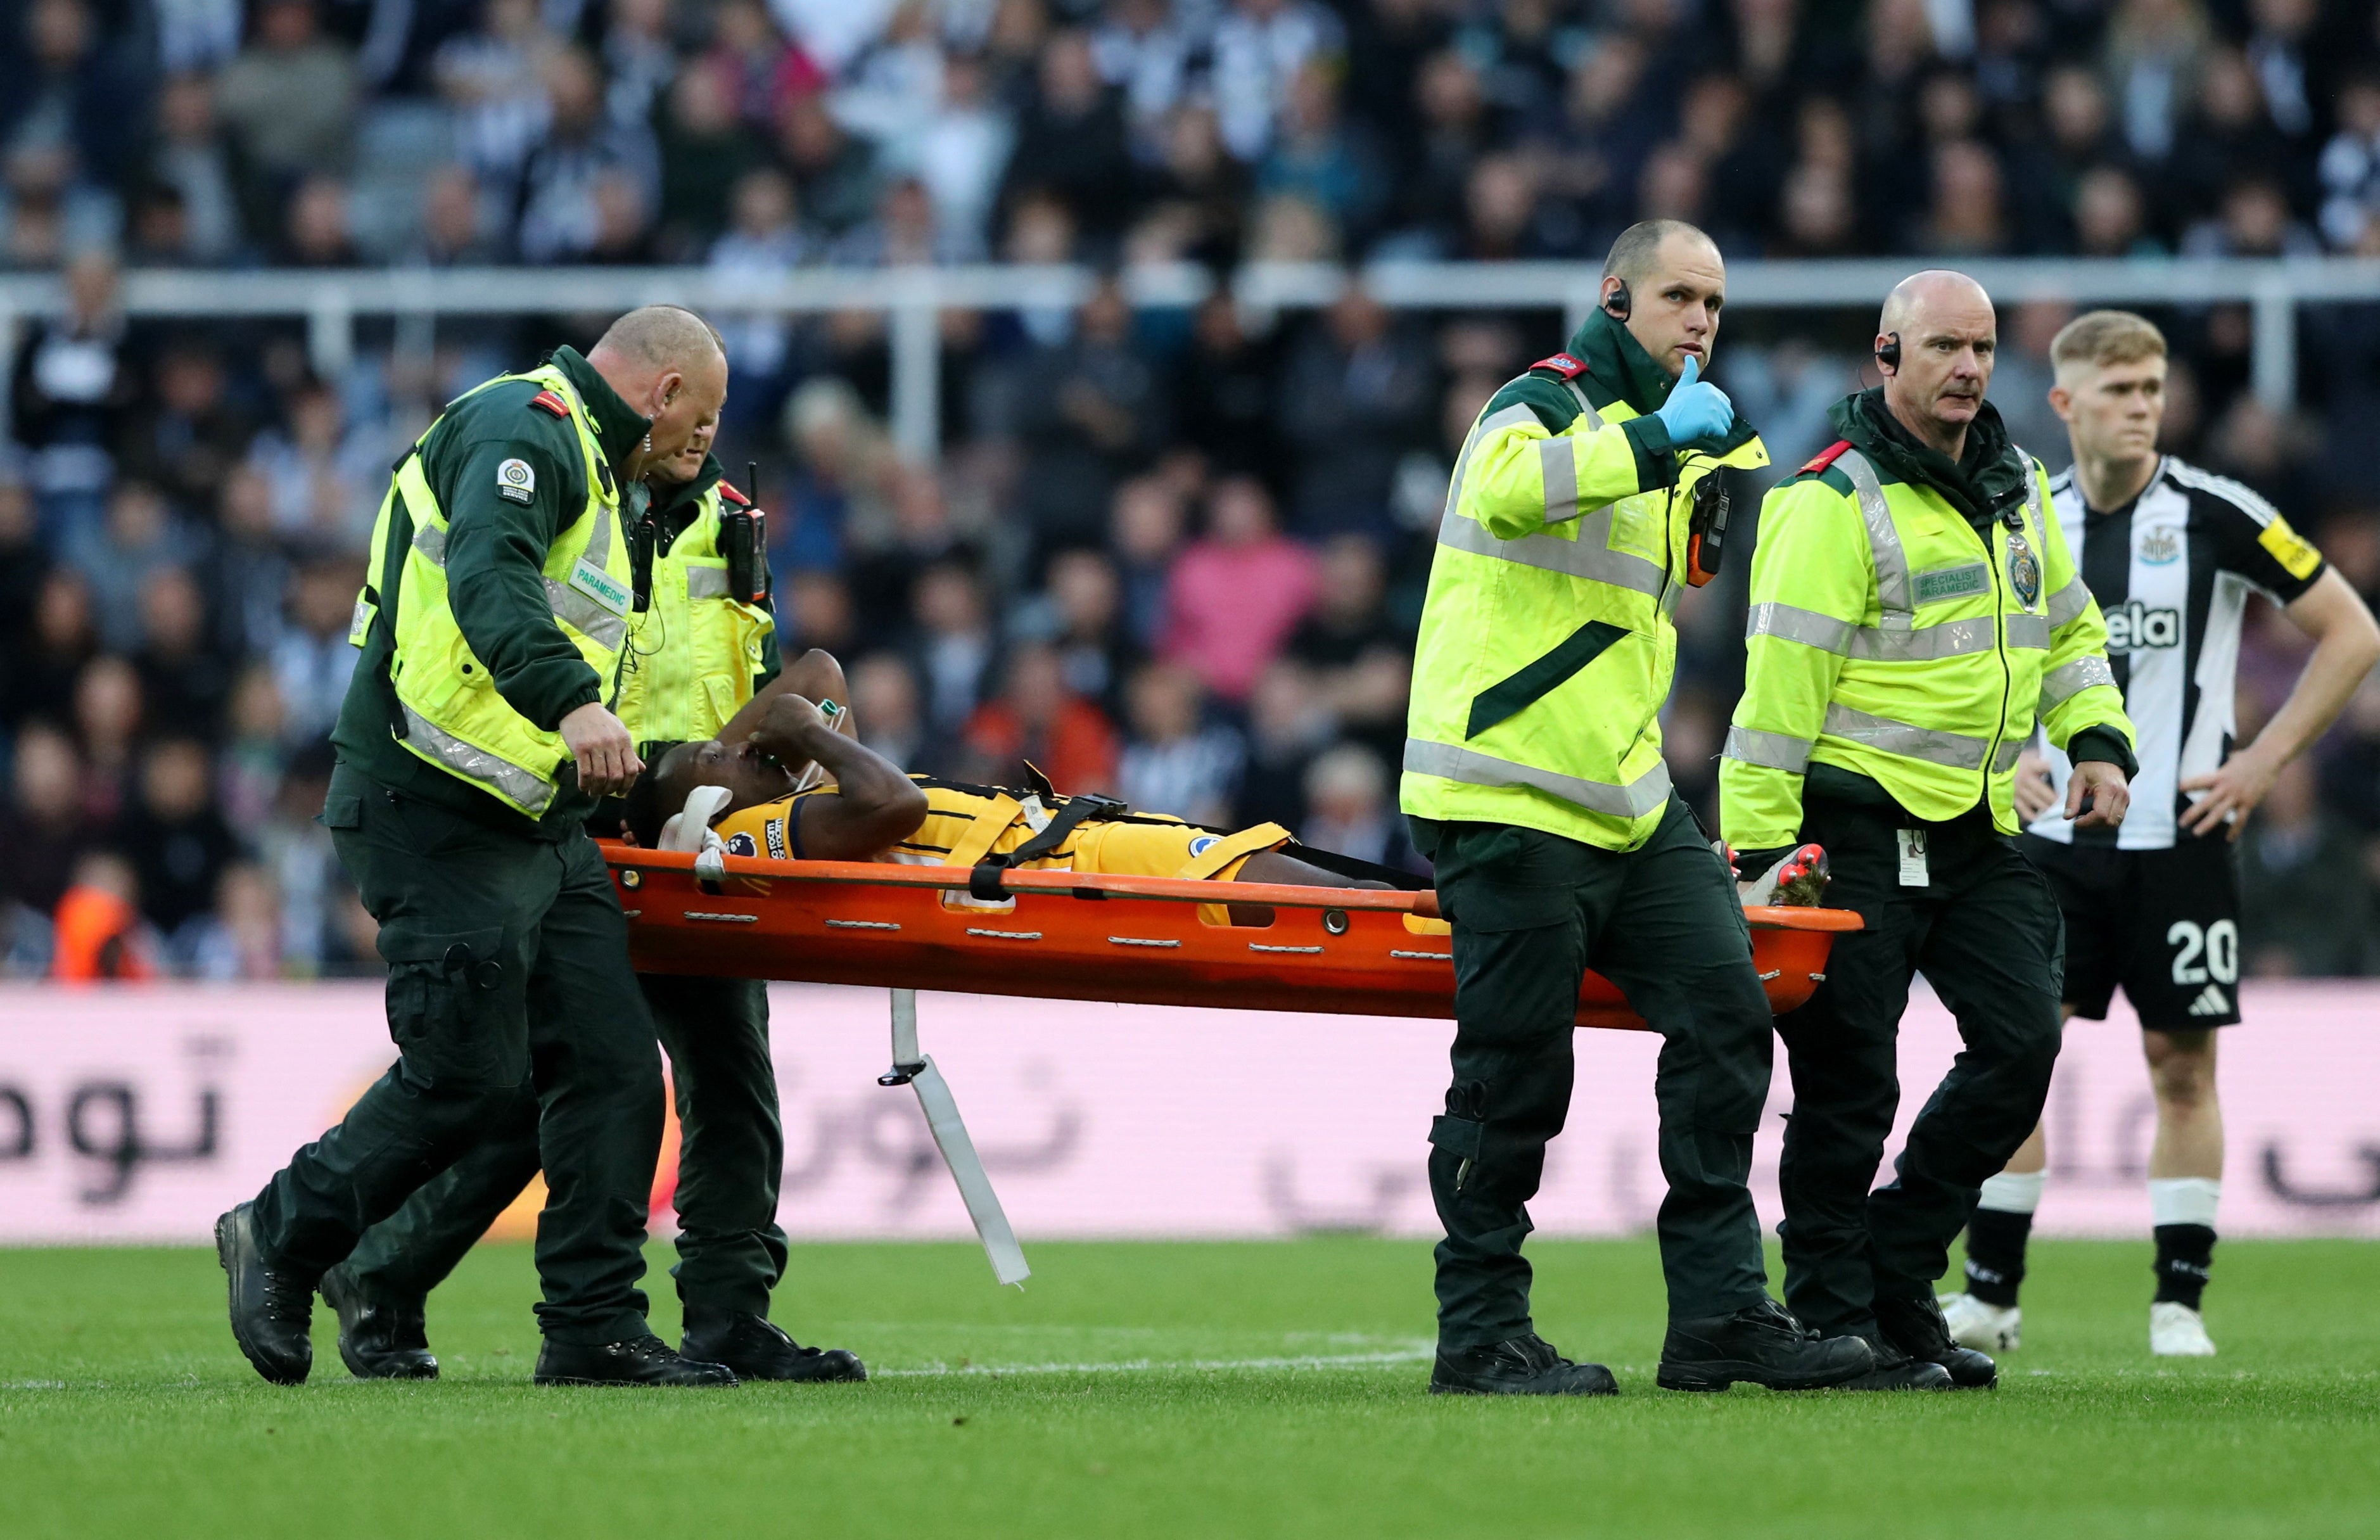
x=1162, y=1365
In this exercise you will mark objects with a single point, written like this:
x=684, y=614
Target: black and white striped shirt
x=2172, y=571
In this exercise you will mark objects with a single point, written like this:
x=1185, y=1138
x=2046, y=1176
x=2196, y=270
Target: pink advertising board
x=139, y=1113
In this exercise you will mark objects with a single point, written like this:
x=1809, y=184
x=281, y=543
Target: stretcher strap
x=949, y=1130
x=987, y=867
x=984, y=832
x=1231, y=848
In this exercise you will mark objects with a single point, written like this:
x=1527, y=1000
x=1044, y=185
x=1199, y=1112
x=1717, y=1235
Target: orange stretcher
x=1139, y=940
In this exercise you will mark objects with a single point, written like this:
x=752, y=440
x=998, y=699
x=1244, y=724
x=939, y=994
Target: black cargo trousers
x=730, y=1160
x=1532, y=913
x=1986, y=933
x=508, y=988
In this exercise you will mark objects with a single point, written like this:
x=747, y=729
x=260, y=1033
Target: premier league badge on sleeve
x=2024, y=569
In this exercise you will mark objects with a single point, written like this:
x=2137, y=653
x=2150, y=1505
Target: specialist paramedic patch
x=516, y=481
x=1954, y=583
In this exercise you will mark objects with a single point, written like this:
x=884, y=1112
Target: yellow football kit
x=965, y=824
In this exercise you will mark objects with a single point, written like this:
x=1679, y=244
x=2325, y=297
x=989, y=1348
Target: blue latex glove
x=1697, y=414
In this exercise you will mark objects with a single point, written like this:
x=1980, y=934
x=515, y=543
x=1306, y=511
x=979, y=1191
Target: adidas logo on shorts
x=2211, y=1002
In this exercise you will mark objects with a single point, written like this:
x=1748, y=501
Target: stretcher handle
x=880, y=874
x=1422, y=905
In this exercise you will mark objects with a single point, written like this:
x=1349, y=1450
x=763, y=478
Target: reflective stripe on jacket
x=696, y=650
x=452, y=715
x=1889, y=637
x=1547, y=645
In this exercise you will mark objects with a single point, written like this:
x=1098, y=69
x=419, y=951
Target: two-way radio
x=744, y=539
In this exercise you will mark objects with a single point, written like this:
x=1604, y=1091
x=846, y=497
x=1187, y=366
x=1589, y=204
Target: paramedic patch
x=516, y=481
x=1953, y=583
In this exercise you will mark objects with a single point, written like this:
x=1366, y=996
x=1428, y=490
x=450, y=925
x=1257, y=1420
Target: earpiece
x=1618, y=303
x=1890, y=354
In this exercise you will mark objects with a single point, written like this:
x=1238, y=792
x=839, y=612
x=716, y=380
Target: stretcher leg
x=917, y=1071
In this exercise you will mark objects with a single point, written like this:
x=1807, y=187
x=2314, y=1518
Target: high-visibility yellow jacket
x=1889, y=638
x=1547, y=644
x=451, y=713
x=697, y=652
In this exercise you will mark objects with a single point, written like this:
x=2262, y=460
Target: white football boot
x=2178, y=1331
x=1983, y=1327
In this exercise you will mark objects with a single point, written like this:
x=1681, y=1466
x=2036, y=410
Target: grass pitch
x=1245, y=1389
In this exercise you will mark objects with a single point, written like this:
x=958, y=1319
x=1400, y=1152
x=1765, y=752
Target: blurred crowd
x=320, y=133
x=1177, y=555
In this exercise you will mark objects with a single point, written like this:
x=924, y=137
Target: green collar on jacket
x=677, y=503
x=1987, y=480
x=617, y=425
x=1617, y=368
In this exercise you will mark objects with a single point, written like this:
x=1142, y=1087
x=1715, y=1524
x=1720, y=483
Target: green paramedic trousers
x=731, y=1158
x=1532, y=913
x=508, y=988
x=1988, y=935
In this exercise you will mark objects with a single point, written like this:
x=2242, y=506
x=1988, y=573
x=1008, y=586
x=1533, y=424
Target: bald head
x=660, y=336
x=1674, y=282
x=1948, y=336
x=667, y=363
x=1936, y=289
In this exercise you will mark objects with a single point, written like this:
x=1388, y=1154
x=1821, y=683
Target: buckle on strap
x=984, y=880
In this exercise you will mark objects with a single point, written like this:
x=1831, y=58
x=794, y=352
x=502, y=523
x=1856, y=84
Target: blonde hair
x=2103, y=338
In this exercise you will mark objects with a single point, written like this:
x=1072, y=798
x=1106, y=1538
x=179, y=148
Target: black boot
x=1521, y=1366
x=379, y=1339
x=645, y=1360
x=1896, y=1370
x=271, y=1311
x=756, y=1349
x=1916, y=1328
x=1761, y=1344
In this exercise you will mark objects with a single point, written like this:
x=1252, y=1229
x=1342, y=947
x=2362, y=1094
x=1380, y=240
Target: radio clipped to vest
x=1706, y=527
x=643, y=541
x=743, y=541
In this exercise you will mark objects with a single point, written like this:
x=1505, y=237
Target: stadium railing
x=911, y=297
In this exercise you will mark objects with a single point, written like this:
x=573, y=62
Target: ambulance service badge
x=2024, y=569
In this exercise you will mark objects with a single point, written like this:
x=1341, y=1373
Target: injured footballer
x=797, y=789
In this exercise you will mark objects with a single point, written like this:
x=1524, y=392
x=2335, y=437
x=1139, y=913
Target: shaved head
x=1634, y=256
x=1674, y=283
x=669, y=364
x=1935, y=287
x=1947, y=335
x=662, y=336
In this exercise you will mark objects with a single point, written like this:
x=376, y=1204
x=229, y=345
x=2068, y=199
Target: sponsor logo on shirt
x=775, y=830
x=2136, y=627
x=2160, y=548
x=1203, y=843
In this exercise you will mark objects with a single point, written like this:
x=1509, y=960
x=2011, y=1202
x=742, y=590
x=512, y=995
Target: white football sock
x=2183, y=1200
x=2014, y=1193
